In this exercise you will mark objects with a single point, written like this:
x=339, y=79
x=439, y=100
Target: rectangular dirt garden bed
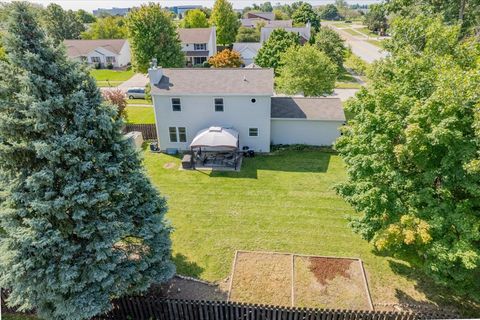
x=286, y=279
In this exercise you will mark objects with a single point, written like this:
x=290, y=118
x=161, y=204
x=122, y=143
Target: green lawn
x=18, y=316
x=140, y=115
x=282, y=202
x=377, y=43
x=110, y=78
x=139, y=101
x=353, y=32
x=347, y=81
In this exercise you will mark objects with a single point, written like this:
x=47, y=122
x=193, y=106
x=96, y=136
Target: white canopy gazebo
x=215, y=147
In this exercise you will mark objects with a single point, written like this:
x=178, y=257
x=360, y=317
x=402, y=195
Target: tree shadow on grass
x=186, y=267
x=440, y=296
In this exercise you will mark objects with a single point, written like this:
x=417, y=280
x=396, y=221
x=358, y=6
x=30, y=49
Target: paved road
x=360, y=47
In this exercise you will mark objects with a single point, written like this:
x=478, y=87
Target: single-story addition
x=189, y=102
x=198, y=44
x=107, y=51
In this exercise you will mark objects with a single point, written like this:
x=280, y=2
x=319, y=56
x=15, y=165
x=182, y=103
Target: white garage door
x=310, y=132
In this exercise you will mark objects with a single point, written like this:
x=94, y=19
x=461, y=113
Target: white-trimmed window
x=200, y=46
x=95, y=59
x=110, y=60
x=218, y=104
x=172, y=131
x=176, y=104
x=182, y=134
x=253, y=132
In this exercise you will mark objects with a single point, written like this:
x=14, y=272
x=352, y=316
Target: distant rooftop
x=327, y=109
x=194, y=35
x=199, y=81
x=77, y=48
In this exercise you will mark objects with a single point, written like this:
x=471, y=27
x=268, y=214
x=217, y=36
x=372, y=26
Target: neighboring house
x=111, y=12
x=198, y=44
x=248, y=51
x=303, y=32
x=180, y=10
x=252, y=23
x=187, y=101
x=104, y=52
x=268, y=16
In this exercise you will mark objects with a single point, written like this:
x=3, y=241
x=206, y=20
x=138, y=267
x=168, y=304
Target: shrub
x=97, y=65
x=109, y=66
x=117, y=98
x=356, y=64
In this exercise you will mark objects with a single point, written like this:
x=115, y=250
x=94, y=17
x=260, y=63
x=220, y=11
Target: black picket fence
x=148, y=308
x=149, y=131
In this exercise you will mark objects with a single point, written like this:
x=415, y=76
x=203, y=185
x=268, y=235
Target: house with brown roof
x=115, y=52
x=188, y=102
x=198, y=44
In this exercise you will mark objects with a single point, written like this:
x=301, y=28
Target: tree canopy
x=226, y=21
x=330, y=43
x=226, y=59
x=269, y=54
x=248, y=35
x=81, y=223
x=195, y=18
x=85, y=17
x=107, y=28
x=61, y=24
x=330, y=12
x=412, y=152
x=307, y=70
x=305, y=14
x=152, y=34
x=376, y=18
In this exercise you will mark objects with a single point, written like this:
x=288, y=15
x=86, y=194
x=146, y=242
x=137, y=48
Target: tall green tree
x=61, y=24
x=248, y=35
x=81, y=222
x=152, y=34
x=305, y=14
x=269, y=54
x=330, y=12
x=109, y=27
x=225, y=20
x=376, y=18
x=85, y=17
x=330, y=43
x=412, y=153
x=195, y=19
x=306, y=70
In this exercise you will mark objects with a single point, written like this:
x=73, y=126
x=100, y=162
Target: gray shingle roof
x=307, y=108
x=194, y=35
x=203, y=81
x=76, y=48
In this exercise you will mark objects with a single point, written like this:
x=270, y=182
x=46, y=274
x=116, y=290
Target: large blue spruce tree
x=80, y=223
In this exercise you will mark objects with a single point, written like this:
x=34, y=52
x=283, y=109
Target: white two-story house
x=187, y=101
x=198, y=44
x=104, y=52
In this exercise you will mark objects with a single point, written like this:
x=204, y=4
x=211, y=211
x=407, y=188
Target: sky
x=89, y=5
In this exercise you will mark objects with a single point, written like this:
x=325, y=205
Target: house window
x=95, y=59
x=218, y=104
x=182, y=134
x=200, y=46
x=253, y=132
x=111, y=60
x=176, y=106
x=199, y=60
x=173, y=134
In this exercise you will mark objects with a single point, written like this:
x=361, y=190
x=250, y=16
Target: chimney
x=154, y=73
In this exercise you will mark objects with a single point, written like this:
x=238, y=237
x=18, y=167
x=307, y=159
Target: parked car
x=136, y=93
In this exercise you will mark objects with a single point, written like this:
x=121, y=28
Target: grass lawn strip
x=262, y=279
x=139, y=115
x=139, y=101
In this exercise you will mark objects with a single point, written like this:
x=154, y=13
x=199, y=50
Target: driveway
x=138, y=80
x=360, y=47
x=344, y=94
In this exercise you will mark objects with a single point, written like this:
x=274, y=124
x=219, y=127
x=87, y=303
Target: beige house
x=198, y=44
x=107, y=51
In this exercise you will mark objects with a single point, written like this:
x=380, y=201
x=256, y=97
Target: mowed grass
x=283, y=202
x=110, y=78
x=138, y=115
x=139, y=101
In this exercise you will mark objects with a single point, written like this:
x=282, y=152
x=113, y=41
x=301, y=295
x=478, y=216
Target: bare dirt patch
x=179, y=288
x=169, y=165
x=329, y=283
x=262, y=278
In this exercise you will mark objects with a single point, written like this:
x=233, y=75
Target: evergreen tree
x=226, y=21
x=81, y=222
x=152, y=34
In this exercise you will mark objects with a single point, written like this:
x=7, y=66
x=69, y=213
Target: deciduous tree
x=226, y=59
x=279, y=41
x=225, y=20
x=118, y=99
x=107, y=28
x=85, y=17
x=152, y=34
x=305, y=14
x=61, y=24
x=330, y=12
x=82, y=224
x=307, y=70
x=330, y=43
x=195, y=18
x=376, y=18
x=412, y=153
x=248, y=35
